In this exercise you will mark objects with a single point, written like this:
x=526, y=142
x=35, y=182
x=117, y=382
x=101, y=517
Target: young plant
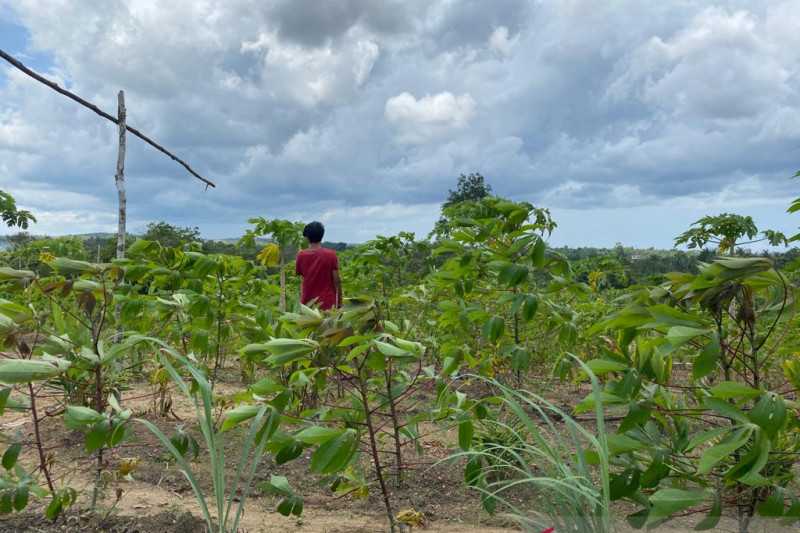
x=264, y=420
x=563, y=466
x=729, y=437
x=377, y=374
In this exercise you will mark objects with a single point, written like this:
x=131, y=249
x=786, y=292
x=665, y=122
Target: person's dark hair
x=314, y=232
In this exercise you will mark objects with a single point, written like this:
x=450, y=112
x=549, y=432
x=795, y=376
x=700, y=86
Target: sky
x=628, y=119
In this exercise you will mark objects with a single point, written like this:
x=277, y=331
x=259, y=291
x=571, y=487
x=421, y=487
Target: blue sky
x=628, y=119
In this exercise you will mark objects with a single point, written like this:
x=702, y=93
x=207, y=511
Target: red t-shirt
x=316, y=266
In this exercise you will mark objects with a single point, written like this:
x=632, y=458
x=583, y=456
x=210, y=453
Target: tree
x=170, y=236
x=12, y=216
x=469, y=189
x=726, y=231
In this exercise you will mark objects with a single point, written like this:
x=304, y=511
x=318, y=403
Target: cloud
x=500, y=42
x=419, y=120
x=362, y=110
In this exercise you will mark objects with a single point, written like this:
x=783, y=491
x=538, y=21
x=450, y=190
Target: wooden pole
x=119, y=178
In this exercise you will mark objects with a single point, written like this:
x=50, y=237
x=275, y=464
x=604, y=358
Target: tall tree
x=470, y=188
x=11, y=215
x=170, y=236
x=726, y=232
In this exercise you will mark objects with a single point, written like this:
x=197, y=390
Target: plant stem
x=362, y=388
x=39, y=447
x=398, y=468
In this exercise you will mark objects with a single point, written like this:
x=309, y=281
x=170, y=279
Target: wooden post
x=119, y=178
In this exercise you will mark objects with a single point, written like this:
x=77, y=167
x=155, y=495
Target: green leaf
x=732, y=389
x=10, y=274
x=318, y=434
x=26, y=370
x=335, y=454
x=667, y=502
x=98, y=435
x=624, y=484
x=4, y=394
x=520, y=359
x=537, y=255
x=618, y=444
x=291, y=503
x=266, y=386
x=706, y=362
x=472, y=471
x=79, y=417
x=67, y=267
x=638, y=519
x=588, y=403
x=748, y=469
x=529, y=307
x=54, y=508
x=725, y=409
x=666, y=315
x=465, y=432
x=638, y=415
x=769, y=413
x=712, y=456
x=236, y=416
x=512, y=274
x=6, y=502
x=705, y=436
x=21, y=494
x=604, y=366
x=291, y=506
x=288, y=453
x=679, y=335
x=389, y=350
x=11, y=454
x=288, y=350
x=493, y=329
x=712, y=518
x=772, y=507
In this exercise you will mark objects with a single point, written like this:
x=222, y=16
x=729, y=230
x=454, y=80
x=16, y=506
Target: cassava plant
x=376, y=373
x=725, y=436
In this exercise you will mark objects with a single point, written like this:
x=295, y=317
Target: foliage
x=725, y=231
x=376, y=372
x=170, y=236
x=264, y=421
x=288, y=237
x=469, y=189
x=497, y=276
x=11, y=215
x=727, y=440
x=566, y=468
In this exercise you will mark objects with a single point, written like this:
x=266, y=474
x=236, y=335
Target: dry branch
x=17, y=64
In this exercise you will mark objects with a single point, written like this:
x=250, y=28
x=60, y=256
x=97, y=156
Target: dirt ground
x=159, y=499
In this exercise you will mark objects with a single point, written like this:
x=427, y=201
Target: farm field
x=253, y=278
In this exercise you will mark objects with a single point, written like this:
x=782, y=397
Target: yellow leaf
x=269, y=255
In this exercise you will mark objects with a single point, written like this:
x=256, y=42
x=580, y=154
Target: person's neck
x=314, y=245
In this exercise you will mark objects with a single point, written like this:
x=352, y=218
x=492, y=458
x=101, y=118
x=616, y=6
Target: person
x=319, y=268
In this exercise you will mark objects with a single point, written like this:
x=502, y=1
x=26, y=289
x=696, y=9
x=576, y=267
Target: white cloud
x=421, y=119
